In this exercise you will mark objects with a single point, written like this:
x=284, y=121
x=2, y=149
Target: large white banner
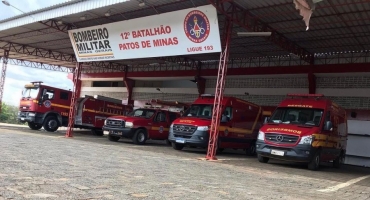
x=190, y=31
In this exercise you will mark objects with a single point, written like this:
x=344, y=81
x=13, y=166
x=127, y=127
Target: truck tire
x=262, y=159
x=97, y=132
x=315, y=162
x=34, y=126
x=51, y=124
x=168, y=142
x=251, y=151
x=177, y=146
x=337, y=163
x=113, y=138
x=139, y=137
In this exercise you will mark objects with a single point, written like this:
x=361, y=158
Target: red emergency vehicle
x=305, y=128
x=48, y=107
x=140, y=125
x=238, y=128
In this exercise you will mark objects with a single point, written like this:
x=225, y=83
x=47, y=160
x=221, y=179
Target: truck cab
x=140, y=125
x=44, y=106
x=238, y=128
x=305, y=128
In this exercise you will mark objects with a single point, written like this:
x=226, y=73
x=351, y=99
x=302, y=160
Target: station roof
x=336, y=26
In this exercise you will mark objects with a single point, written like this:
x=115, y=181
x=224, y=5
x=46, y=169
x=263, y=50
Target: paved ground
x=36, y=164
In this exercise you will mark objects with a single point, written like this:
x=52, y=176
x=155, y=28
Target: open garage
x=330, y=58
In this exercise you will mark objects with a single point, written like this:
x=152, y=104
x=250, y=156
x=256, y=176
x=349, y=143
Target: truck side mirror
x=328, y=126
x=45, y=97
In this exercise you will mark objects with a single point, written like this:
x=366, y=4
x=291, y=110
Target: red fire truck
x=48, y=107
x=305, y=128
x=238, y=128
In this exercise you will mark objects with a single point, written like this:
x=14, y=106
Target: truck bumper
x=120, y=132
x=28, y=117
x=299, y=153
x=197, y=139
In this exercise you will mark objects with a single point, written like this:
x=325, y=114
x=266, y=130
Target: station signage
x=189, y=31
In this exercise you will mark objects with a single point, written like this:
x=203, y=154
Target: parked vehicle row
x=303, y=128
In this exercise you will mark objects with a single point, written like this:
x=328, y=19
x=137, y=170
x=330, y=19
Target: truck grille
x=281, y=138
x=184, y=129
x=115, y=123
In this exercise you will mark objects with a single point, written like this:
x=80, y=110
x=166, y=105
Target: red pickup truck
x=140, y=125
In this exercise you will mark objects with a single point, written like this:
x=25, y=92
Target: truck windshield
x=297, y=116
x=199, y=110
x=145, y=113
x=30, y=93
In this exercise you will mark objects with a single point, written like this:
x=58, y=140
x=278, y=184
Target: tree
x=9, y=114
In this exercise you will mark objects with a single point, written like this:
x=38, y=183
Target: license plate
x=116, y=133
x=22, y=118
x=180, y=141
x=278, y=153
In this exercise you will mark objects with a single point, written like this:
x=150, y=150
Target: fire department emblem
x=226, y=132
x=196, y=26
x=47, y=104
x=161, y=129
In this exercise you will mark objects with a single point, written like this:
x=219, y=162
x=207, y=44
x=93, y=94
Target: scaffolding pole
x=219, y=93
x=3, y=76
x=75, y=95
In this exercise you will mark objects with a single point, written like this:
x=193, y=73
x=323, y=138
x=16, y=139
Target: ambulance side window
x=228, y=113
x=161, y=117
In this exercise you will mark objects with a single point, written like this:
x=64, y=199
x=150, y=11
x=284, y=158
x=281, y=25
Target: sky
x=18, y=76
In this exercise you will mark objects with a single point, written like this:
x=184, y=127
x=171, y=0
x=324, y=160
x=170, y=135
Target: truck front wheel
x=51, y=124
x=139, y=137
x=34, y=126
x=315, y=162
x=262, y=159
x=177, y=146
x=113, y=138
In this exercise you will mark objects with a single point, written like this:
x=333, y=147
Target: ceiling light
x=82, y=17
x=142, y=4
x=107, y=14
x=251, y=34
x=60, y=22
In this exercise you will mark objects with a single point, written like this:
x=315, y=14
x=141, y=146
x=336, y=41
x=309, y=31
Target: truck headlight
x=171, y=126
x=31, y=114
x=129, y=124
x=306, y=140
x=202, y=128
x=261, y=136
x=105, y=122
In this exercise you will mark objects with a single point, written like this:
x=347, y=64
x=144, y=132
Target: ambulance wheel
x=168, y=142
x=337, y=163
x=177, y=146
x=139, y=137
x=51, y=124
x=113, y=138
x=34, y=126
x=315, y=162
x=251, y=151
x=262, y=159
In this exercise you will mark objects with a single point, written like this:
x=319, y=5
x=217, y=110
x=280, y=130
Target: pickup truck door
x=160, y=126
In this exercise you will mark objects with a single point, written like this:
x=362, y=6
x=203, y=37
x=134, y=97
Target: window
x=64, y=95
x=299, y=116
x=161, y=117
x=108, y=84
x=48, y=94
x=145, y=113
x=228, y=113
x=173, y=116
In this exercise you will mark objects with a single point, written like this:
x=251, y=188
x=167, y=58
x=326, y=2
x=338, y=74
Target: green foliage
x=9, y=114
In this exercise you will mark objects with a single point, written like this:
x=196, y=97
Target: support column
x=3, y=76
x=311, y=83
x=129, y=86
x=75, y=95
x=219, y=94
